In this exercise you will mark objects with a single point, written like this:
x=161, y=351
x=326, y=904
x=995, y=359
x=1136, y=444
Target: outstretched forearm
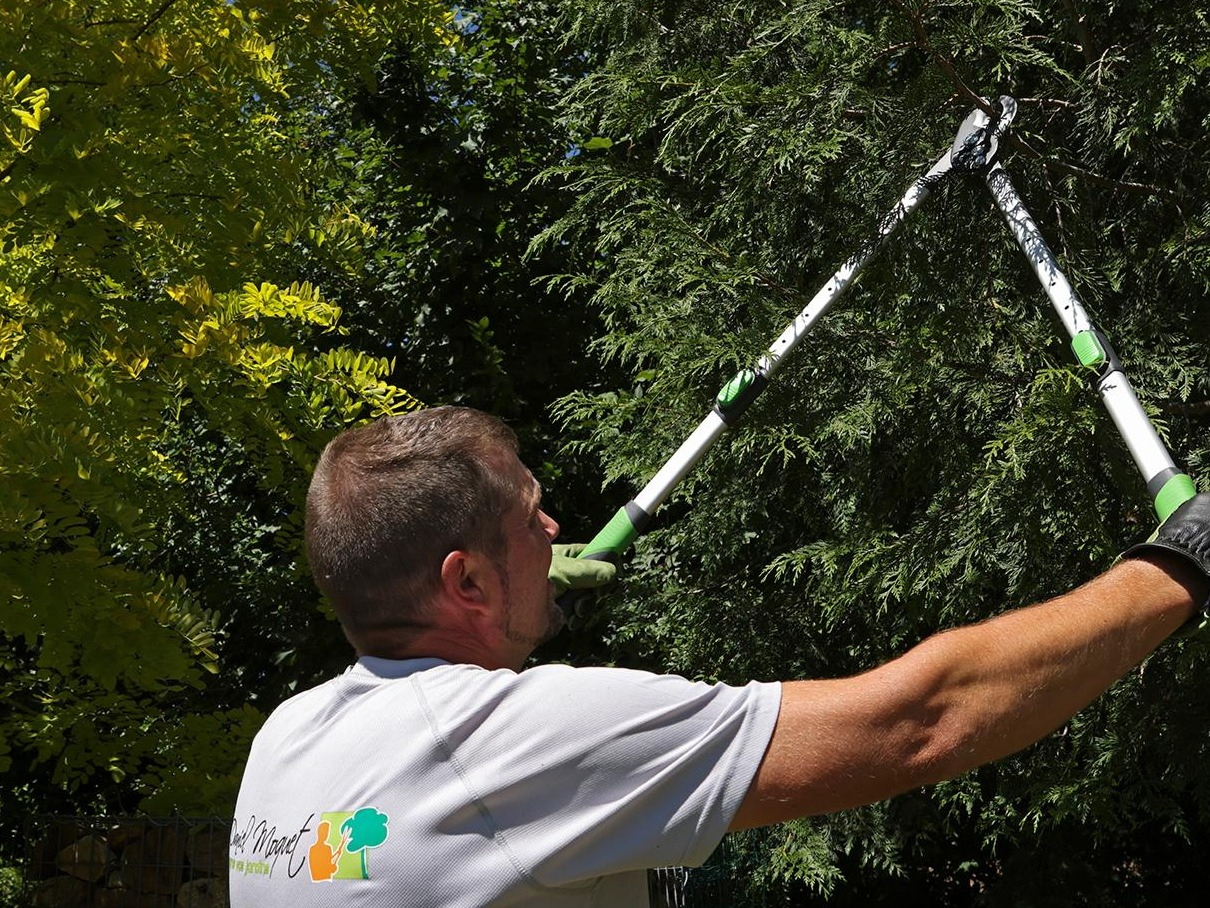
x=991, y=689
x=966, y=696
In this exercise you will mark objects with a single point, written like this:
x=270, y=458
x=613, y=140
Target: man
x=438, y=772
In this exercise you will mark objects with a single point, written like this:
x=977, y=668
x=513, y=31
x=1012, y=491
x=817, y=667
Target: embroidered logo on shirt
x=342, y=840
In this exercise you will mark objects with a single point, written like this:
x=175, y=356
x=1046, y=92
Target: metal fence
x=127, y=863
x=683, y=887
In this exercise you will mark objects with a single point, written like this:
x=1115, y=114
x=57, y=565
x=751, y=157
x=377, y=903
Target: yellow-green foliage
x=153, y=197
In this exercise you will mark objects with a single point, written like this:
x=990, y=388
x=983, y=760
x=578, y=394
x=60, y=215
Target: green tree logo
x=344, y=838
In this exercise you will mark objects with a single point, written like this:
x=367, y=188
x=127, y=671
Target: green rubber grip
x=615, y=538
x=1176, y=492
x=734, y=389
x=1087, y=348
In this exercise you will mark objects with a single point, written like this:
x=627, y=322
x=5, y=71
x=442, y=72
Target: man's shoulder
x=553, y=673
x=608, y=690
x=464, y=692
x=548, y=693
x=304, y=701
x=616, y=677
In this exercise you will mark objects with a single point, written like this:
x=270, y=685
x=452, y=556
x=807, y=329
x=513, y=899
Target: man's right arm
x=967, y=696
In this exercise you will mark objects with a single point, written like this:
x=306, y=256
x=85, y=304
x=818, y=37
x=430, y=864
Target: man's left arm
x=968, y=696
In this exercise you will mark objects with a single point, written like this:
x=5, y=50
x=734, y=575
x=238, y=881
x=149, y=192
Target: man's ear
x=469, y=578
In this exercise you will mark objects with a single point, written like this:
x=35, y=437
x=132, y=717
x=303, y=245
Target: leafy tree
x=441, y=153
x=931, y=455
x=164, y=382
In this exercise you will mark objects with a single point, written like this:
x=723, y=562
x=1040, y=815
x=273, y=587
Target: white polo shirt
x=424, y=783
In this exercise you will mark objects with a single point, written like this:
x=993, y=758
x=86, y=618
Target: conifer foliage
x=932, y=454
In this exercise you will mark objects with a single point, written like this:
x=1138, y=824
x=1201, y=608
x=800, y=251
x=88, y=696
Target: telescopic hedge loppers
x=973, y=153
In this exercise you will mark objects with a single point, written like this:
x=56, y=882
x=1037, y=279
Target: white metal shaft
x=709, y=430
x=847, y=273
x=1149, y=453
x=681, y=462
x=1029, y=237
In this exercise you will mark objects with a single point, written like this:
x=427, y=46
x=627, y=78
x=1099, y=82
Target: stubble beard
x=555, y=619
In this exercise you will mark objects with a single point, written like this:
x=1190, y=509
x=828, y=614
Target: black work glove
x=1186, y=532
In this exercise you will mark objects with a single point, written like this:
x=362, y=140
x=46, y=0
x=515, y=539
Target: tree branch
x=1197, y=409
x=1052, y=103
x=154, y=18
x=1012, y=139
x=947, y=66
x=1016, y=142
x=103, y=22
x=1083, y=35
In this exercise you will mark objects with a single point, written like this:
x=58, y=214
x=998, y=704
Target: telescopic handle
x=734, y=398
x=1168, y=486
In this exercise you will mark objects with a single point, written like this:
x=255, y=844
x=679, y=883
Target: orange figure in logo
x=320, y=857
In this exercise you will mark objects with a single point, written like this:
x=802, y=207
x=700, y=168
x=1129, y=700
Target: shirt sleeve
x=607, y=770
